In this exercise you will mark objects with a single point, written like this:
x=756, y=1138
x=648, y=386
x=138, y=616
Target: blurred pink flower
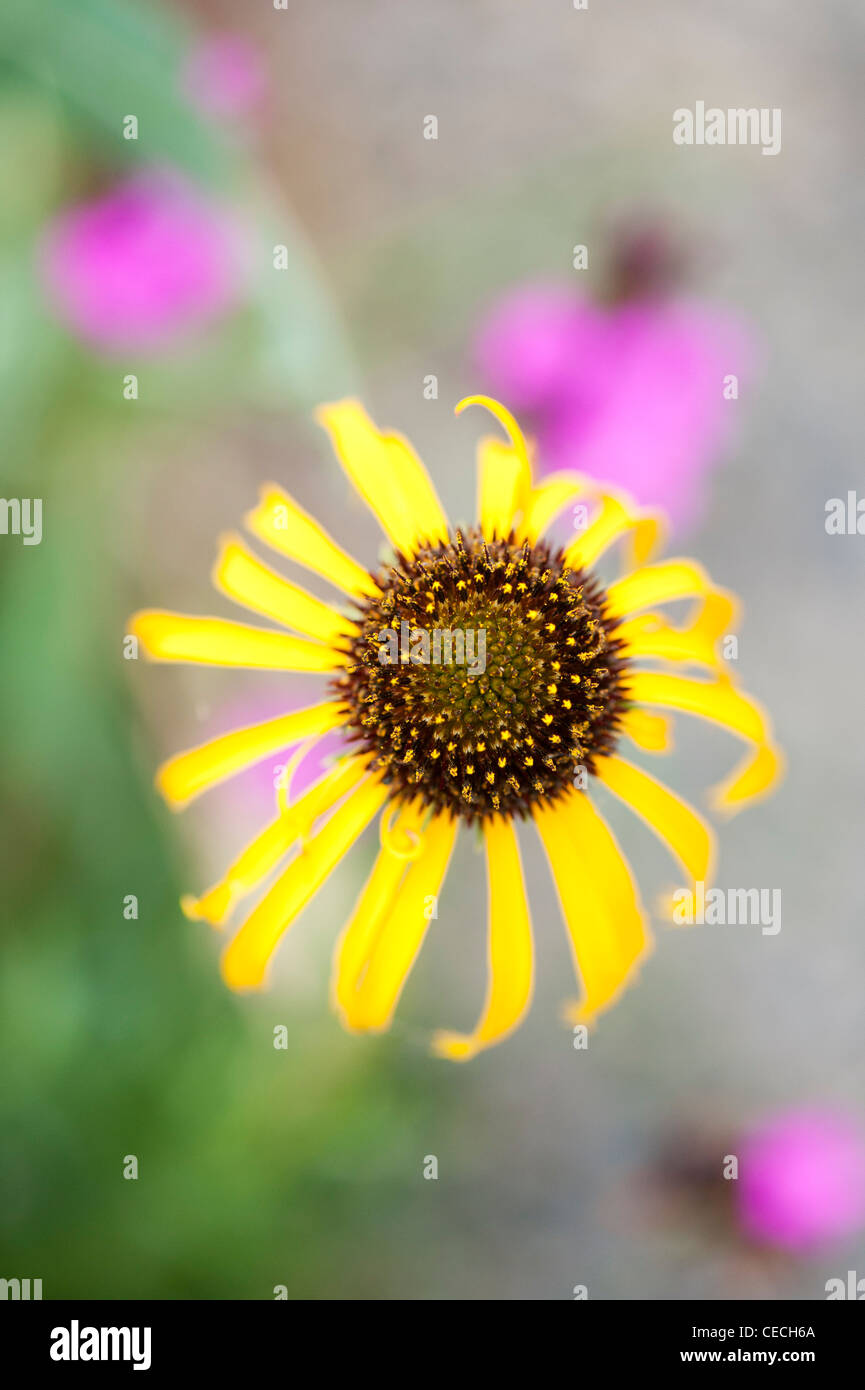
x=802, y=1180
x=140, y=266
x=225, y=76
x=631, y=393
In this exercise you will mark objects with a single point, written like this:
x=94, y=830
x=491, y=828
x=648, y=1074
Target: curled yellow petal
x=188, y=774
x=242, y=577
x=504, y=481
x=647, y=535
x=651, y=732
x=401, y=933
x=717, y=700
x=388, y=475
x=245, y=961
x=754, y=777
x=505, y=419
x=610, y=522
x=649, y=635
x=264, y=852
x=550, y=497
x=402, y=843
x=282, y=523
x=720, y=702
x=676, y=823
x=510, y=950
x=616, y=517
x=504, y=471
x=216, y=642
x=670, y=579
x=599, y=899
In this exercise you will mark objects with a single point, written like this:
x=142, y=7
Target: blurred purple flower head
x=802, y=1180
x=142, y=265
x=630, y=392
x=225, y=76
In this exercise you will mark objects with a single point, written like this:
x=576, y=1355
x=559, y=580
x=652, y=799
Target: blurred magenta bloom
x=631, y=392
x=802, y=1180
x=225, y=76
x=142, y=265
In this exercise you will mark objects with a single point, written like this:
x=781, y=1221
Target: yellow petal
x=717, y=700
x=754, y=777
x=504, y=471
x=611, y=521
x=401, y=934
x=599, y=899
x=548, y=499
x=723, y=704
x=388, y=475
x=245, y=961
x=282, y=524
x=188, y=774
x=687, y=837
x=263, y=853
x=671, y=579
x=509, y=988
x=504, y=482
x=241, y=576
x=650, y=636
x=651, y=732
x=401, y=843
x=619, y=515
x=215, y=642
x=648, y=535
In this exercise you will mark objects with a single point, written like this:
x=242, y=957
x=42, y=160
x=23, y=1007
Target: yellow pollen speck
x=552, y=688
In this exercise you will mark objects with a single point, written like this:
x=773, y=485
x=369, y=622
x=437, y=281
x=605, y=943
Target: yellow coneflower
x=432, y=745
